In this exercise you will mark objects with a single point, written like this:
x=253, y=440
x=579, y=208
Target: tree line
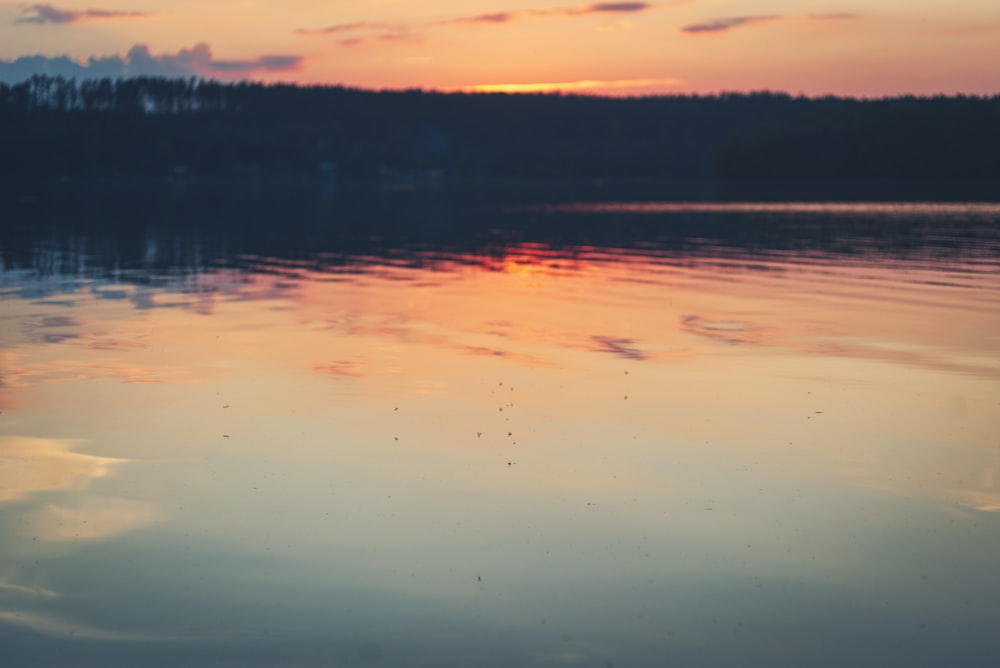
x=52, y=127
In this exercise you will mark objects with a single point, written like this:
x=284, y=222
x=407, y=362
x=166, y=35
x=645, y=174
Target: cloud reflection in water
x=29, y=465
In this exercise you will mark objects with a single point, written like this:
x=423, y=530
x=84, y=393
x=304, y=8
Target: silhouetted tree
x=150, y=126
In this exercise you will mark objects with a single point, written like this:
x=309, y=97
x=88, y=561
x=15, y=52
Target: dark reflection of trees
x=159, y=234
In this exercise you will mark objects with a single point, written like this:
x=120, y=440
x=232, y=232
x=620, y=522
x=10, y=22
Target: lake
x=573, y=428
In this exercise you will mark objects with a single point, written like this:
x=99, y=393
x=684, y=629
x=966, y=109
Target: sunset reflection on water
x=527, y=454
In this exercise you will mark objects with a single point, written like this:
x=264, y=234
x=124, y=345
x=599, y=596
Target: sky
x=813, y=47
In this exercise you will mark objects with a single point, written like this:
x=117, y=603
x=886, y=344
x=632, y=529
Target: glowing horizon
x=608, y=48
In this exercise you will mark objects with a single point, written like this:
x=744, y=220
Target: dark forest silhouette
x=51, y=127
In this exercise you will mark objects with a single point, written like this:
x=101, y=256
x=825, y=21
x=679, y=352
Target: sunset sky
x=815, y=47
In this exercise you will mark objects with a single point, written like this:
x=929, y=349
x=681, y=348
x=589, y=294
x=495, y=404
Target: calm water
x=412, y=431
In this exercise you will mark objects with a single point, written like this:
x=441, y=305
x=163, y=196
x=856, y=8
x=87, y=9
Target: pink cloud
x=50, y=14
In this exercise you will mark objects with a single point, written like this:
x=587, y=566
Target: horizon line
x=582, y=88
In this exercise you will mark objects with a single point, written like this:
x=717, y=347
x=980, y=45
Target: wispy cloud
x=356, y=26
x=140, y=61
x=360, y=32
x=619, y=7
x=498, y=17
x=714, y=26
x=390, y=36
x=381, y=37
x=51, y=14
x=728, y=23
x=580, y=10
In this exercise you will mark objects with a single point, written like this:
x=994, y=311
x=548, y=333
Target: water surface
x=424, y=432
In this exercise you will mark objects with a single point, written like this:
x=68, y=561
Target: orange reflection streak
x=727, y=301
x=965, y=209
x=721, y=346
x=530, y=260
